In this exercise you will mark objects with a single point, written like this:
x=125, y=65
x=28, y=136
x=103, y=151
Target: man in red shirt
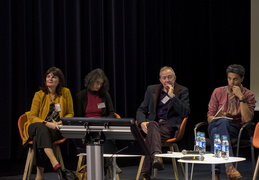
x=235, y=104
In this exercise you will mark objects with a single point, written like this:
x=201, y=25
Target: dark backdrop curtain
x=129, y=39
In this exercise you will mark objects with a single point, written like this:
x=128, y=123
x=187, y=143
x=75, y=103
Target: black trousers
x=42, y=137
x=157, y=133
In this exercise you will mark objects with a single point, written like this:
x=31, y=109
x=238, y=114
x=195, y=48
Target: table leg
x=114, y=168
x=94, y=162
x=186, y=171
x=192, y=171
x=213, y=171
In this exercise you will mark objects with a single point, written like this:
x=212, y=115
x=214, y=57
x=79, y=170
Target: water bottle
x=202, y=144
x=217, y=146
x=197, y=141
x=225, y=147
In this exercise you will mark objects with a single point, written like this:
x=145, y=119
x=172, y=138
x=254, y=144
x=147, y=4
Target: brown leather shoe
x=158, y=163
x=217, y=177
x=217, y=174
x=144, y=176
x=232, y=173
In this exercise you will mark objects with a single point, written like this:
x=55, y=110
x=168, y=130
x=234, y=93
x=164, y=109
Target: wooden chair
x=173, y=146
x=256, y=145
x=28, y=166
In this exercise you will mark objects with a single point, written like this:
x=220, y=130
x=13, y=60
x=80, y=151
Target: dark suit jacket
x=82, y=100
x=179, y=106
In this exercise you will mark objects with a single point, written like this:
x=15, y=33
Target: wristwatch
x=242, y=100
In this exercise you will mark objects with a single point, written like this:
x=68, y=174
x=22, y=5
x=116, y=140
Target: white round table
x=208, y=159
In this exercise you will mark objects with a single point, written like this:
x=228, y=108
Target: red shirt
x=220, y=97
x=92, y=109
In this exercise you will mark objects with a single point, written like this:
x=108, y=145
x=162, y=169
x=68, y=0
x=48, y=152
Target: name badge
x=101, y=105
x=165, y=99
x=57, y=107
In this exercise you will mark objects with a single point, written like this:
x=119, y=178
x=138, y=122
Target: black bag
x=68, y=175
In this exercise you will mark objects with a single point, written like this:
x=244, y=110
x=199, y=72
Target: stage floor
x=12, y=170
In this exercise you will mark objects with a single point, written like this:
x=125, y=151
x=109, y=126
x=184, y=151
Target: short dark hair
x=237, y=69
x=62, y=83
x=92, y=76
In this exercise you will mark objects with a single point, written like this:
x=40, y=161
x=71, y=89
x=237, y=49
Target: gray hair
x=166, y=68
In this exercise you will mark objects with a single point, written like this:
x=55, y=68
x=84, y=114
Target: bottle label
x=202, y=144
x=225, y=148
x=217, y=146
x=197, y=143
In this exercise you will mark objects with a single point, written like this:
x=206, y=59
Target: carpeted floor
x=12, y=170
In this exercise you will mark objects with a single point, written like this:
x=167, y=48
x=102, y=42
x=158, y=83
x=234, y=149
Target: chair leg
x=256, y=169
x=174, y=162
x=177, y=150
x=175, y=169
x=110, y=173
x=253, y=156
x=173, y=148
x=140, y=167
x=28, y=164
x=80, y=162
x=237, y=154
x=155, y=172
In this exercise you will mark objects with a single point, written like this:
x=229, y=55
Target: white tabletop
x=209, y=159
x=175, y=155
x=114, y=155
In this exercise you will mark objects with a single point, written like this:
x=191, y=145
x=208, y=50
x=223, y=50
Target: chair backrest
x=21, y=121
x=180, y=133
x=117, y=115
x=256, y=136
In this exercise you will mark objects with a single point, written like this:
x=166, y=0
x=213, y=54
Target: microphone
x=193, y=158
x=184, y=152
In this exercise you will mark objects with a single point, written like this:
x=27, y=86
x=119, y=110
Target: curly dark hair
x=237, y=69
x=62, y=83
x=92, y=76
